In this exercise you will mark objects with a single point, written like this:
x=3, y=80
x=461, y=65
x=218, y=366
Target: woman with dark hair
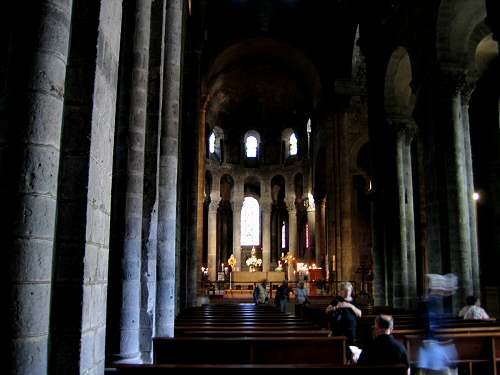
x=473, y=310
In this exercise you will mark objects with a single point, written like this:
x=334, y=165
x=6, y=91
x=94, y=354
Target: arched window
x=251, y=146
x=292, y=144
x=250, y=222
x=215, y=143
x=211, y=143
x=307, y=236
x=283, y=235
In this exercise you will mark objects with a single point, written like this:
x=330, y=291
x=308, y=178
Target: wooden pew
x=327, y=368
x=477, y=351
x=249, y=350
x=253, y=333
x=189, y=327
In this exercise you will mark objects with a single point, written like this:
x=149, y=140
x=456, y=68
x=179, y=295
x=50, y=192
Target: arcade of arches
x=142, y=140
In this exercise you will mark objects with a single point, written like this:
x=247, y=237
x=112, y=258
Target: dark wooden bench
x=477, y=350
x=276, y=327
x=326, y=368
x=253, y=333
x=249, y=350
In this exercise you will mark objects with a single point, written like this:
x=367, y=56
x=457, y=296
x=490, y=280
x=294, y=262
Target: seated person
x=260, y=294
x=343, y=314
x=473, y=310
x=302, y=294
x=385, y=349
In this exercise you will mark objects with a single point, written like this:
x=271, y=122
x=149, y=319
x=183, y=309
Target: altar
x=258, y=276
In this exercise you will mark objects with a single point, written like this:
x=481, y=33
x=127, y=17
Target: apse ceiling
x=269, y=62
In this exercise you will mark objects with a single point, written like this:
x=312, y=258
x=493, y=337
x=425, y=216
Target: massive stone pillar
x=30, y=245
x=410, y=215
x=466, y=94
x=169, y=153
x=132, y=242
x=198, y=256
x=311, y=222
x=236, y=206
x=404, y=262
x=212, y=238
x=457, y=187
x=319, y=204
x=292, y=233
x=266, y=208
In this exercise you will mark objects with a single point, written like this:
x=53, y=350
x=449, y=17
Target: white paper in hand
x=355, y=353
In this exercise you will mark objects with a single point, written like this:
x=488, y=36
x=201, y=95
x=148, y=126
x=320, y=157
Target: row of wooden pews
x=477, y=342
x=228, y=336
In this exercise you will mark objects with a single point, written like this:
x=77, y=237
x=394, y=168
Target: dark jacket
x=384, y=350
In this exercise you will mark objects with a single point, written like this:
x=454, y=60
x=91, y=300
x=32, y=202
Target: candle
x=222, y=267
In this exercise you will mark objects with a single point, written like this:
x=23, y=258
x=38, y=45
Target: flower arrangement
x=253, y=262
x=232, y=261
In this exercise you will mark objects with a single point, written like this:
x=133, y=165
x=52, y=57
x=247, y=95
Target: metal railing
x=316, y=288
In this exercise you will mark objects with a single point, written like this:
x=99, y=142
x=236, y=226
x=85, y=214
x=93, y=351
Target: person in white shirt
x=302, y=293
x=473, y=310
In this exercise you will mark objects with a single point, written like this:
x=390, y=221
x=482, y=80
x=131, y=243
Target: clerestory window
x=251, y=145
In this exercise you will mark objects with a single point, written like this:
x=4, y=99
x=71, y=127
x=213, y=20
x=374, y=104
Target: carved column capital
x=453, y=81
x=213, y=205
x=467, y=91
x=266, y=205
x=319, y=202
x=236, y=204
x=290, y=204
x=403, y=128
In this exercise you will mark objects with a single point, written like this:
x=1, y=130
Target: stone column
x=132, y=243
x=236, y=206
x=466, y=94
x=167, y=210
x=31, y=244
x=457, y=188
x=311, y=221
x=212, y=238
x=201, y=165
x=292, y=232
x=400, y=259
x=410, y=132
x=319, y=204
x=266, y=207
x=404, y=263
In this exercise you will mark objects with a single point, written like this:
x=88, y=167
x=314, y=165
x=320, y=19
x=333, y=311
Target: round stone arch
x=399, y=99
x=482, y=50
x=227, y=186
x=354, y=154
x=252, y=187
x=457, y=20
